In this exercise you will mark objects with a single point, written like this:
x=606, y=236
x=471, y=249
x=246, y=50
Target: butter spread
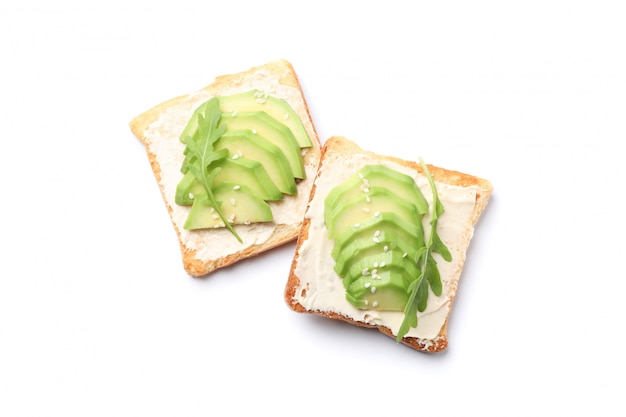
x=321, y=289
x=162, y=138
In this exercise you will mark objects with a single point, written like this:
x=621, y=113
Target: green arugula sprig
x=429, y=273
x=200, y=154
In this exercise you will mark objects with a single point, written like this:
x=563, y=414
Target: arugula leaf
x=429, y=273
x=200, y=153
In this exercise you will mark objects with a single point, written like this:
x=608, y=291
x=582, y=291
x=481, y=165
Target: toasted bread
x=159, y=129
x=314, y=287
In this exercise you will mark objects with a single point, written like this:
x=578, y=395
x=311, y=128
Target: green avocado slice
x=269, y=128
x=237, y=202
x=411, y=232
x=365, y=205
x=279, y=109
x=372, y=246
x=244, y=144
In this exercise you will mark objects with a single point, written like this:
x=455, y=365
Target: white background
x=98, y=317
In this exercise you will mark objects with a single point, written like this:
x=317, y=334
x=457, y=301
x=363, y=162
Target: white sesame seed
x=366, y=271
x=373, y=290
x=237, y=187
x=231, y=219
x=233, y=202
x=236, y=156
x=286, y=116
x=215, y=217
x=375, y=239
x=254, y=131
x=367, y=284
x=375, y=271
x=375, y=304
x=404, y=255
x=366, y=302
x=356, y=225
x=368, y=199
x=386, y=248
x=377, y=233
x=377, y=214
x=361, y=175
x=366, y=209
x=382, y=264
x=190, y=196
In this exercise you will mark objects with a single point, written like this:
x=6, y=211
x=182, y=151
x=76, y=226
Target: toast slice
x=160, y=128
x=315, y=287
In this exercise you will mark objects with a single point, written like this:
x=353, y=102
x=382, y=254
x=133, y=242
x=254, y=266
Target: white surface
x=97, y=316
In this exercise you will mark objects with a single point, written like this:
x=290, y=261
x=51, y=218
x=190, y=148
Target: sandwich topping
x=375, y=218
x=241, y=152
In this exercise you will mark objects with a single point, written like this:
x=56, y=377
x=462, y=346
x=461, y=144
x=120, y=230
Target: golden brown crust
x=342, y=146
x=283, y=73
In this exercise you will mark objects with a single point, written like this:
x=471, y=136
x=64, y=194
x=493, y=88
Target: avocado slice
x=378, y=262
x=187, y=189
x=279, y=109
x=249, y=173
x=411, y=232
x=365, y=205
x=244, y=172
x=372, y=246
x=262, y=124
x=373, y=176
x=384, y=291
x=245, y=144
x=237, y=202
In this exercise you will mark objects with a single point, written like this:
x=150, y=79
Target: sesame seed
x=377, y=214
x=377, y=233
x=367, y=284
x=366, y=271
x=404, y=255
x=366, y=302
x=375, y=239
x=236, y=156
x=233, y=202
x=382, y=264
x=373, y=290
x=375, y=271
x=190, y=196
x=368, y=199
x=231, y=218
x=366, y=209
x=237, y=187
x=361, y=175
x=215, y=217
x=375, y=304
x=356, y=225
x=254, y=131
x=286, y=116
x=386, y=248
